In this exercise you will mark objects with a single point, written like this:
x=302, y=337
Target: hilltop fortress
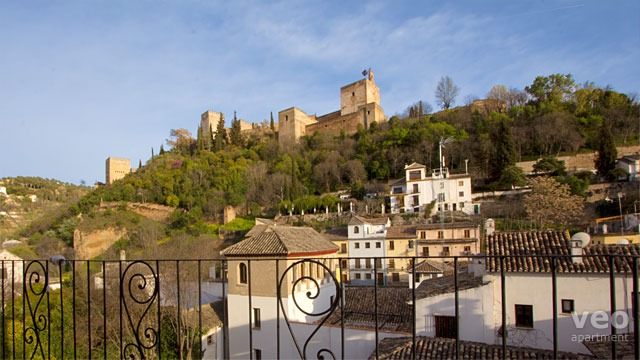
x=359, y=105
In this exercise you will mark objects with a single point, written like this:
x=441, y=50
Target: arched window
x=356, y=230
x=242, y=269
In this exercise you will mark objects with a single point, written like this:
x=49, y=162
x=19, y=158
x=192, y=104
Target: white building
x=12, y=269
x=631, y=164
x=582, y=293
x=280, y=276
x=367, y=249
x=418, y=189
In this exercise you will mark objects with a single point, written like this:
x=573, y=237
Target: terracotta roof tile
x=446, y=284
x=394, y=311
x=530, y=251
x=282, y=240
x=443, y=348
x=401, y=232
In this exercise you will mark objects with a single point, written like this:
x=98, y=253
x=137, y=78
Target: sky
x=81, y=81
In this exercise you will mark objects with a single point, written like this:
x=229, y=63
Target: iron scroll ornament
x=311, y=296
x=140, y=293
x=36, y=282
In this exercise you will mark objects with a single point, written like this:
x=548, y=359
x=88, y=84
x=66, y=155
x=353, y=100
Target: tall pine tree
x=235, y=134
x=607, y=152
x=504, y=149
x=220, y=140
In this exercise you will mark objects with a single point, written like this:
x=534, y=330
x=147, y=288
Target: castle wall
x=209, y=122
x=116, y=168
x=292, y=124
x=355, y=95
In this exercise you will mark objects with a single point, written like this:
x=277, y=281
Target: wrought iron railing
x=147, y=309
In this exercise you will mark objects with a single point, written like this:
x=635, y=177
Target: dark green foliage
x=607, y=153
x=504, y=153
x=550, y=165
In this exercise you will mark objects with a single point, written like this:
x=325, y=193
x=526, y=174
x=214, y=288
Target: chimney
x=578, y=242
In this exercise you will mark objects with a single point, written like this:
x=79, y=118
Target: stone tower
x=209, y=122
x=117, y=168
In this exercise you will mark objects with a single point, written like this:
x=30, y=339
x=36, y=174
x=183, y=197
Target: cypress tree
x=607, y=152
x=220, y=140
x=504, y=149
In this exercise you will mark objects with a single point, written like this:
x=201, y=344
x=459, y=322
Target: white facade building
x=583, y=295
x=367, y=249
x=418, y=189
x=631, y=164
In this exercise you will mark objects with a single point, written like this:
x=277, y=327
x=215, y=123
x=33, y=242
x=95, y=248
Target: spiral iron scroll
x=322, y=312
x=139, y=286
x=36, y=281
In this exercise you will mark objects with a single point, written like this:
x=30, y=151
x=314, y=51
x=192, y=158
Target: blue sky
x=84, y=80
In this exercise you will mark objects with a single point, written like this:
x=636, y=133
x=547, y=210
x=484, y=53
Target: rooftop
x=529, y=251
x=283, y=241
x=443, y=348
x=446, y=284
x=394, y=311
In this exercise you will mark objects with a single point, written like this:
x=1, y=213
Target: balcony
x=147, y=309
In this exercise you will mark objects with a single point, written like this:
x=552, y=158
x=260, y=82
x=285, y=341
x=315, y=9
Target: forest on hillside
x=552, y=116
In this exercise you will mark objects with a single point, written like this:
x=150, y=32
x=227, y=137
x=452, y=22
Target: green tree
x=511, y=176
x=504, y=151
x=235, y=133
x=550, y=165
x=555, y=88
x=220, y=140
x=607, y=152
x=446, y=92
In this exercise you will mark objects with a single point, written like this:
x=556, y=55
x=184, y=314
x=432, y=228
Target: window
x=257, y=354
x=378, y=263
x=242, y=270
x=410, y=244
x=524, y=316
x=357, y=245
x=391, y=245
x=461, y=193
x=415, y=188
x=467, y=249
x=440, y=234
x=256, y=318
x=423, y=235
x=343, y=263
x=415, y=200
x=367, y=276
x=378, y=245
x=392, y=263
x=445, y=251
x=209, y=339
x=567, y=306
x=357, y=276
x=414, y=175
x=467, y=233
x=357, y=263
x=367, y=263
x=395, y=277
x=367, y=245
x=343, y=248
x=460, y=183
x=425, y=251
x=356, y=230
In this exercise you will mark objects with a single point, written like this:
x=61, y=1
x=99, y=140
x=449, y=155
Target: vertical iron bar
x=24, y=307
x=225, y=328
x=554, y=298
x=504, y=308
x=104, y=307
x=413, y=304
x=159, y=316
x=200, y=304
x=120, y=295
x=342, y=293
x=612, y=294
x=47, y=283
x=89, y=306
x=375, y=299
x=250, y=310
x=73, y=305
x=61, y=312
x=179, y=319
x=278, y=299
x=4, y=334
x=13, y=303
x=457, y=305
x=634, y=298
